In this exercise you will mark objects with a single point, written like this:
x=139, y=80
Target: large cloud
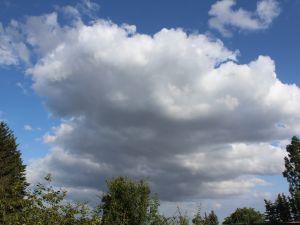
x=224, y=17
x=174, y=108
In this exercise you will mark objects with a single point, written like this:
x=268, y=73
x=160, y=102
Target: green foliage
x=244, y=216
x=210, y=219
x=283, y=208
x=12, y=175
x=129, y=203
x=178, y=219
x=198, y=220
x=292, y=174
x=292, y=165
x=294, y=201
x=279, y=211
x=47, y=206
x=271, y=212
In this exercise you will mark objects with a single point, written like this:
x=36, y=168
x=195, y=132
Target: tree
x=128, y=203
x=283, y=208
x=198, y=220
x=271, y=212
x=12, y=174
x=294, y=201
x=48, y=206
x=244, y=216
x=292, y=174
x=179, y=219
x=211, y=219
x=279, y=211
x=292, y=165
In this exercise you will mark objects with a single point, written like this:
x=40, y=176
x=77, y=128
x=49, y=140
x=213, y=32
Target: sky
x=199, y=98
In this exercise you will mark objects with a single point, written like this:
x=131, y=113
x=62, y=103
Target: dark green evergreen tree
x=12, y=174
x=292, y=165
x=271, y=212
x=283, y=208
x=210, y=219
x=279, y=211
x=292, y=174
x=294, y=202
x=198, y=220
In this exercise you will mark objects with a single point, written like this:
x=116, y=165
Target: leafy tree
x=211, y=219
x=198, y=220
x=129, y=203
x=48, y=206
x=12, y=175
x=153, y=216
x=244, y=216
x=179, y=219
x=292, y=174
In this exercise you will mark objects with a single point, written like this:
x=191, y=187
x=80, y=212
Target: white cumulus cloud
x=225, y=17
x=175, y=108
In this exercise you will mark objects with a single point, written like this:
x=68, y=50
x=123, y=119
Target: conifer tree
x=292, y=174
x=12, y=174
x=283, y=208
x=198, y=220
x=212, y=219
x=271, y=212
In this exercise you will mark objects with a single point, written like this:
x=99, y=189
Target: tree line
x=126, y=202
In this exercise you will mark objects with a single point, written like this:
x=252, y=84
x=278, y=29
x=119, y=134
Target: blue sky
x=154, y=94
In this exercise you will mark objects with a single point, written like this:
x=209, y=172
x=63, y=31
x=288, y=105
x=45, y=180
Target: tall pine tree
x=292, y=174
x=12, y=174
x=283, y=208
x=212, y=219
x=271, y=214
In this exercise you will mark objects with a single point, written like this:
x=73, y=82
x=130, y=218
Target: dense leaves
x=292, y=174
x=129, y=203
x=46, y=205
x=279, y=211
x=244, y=216
x=210, y=219
x=292, y=165
x=12, y=175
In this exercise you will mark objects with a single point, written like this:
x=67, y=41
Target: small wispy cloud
x=82, y=8
x=224, y=17
x=22, y=87
x=28, y=127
